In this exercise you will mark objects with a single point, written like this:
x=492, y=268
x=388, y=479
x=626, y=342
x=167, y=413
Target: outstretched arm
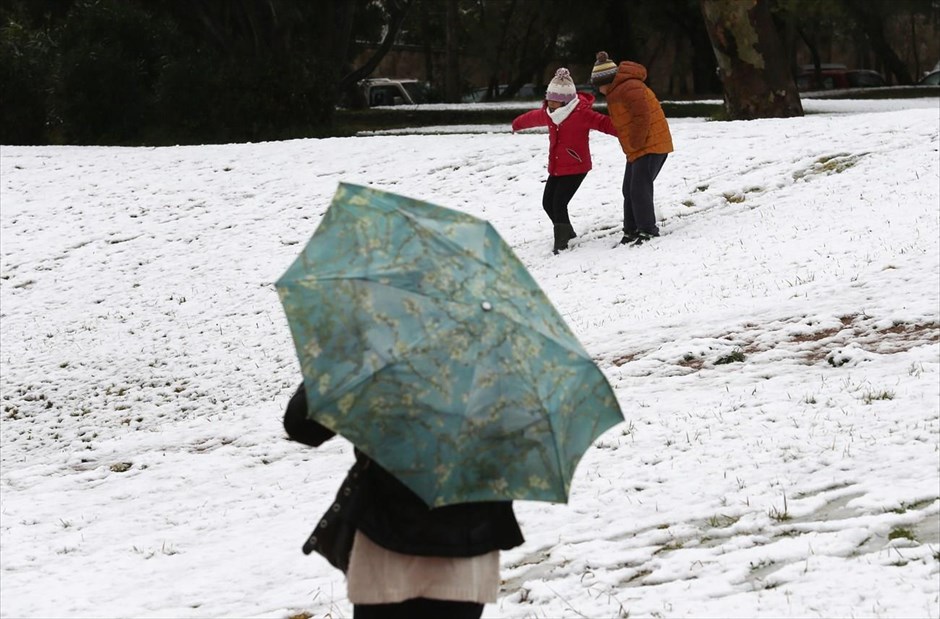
x=299, y=427
x=535, y=118
x=603, y=123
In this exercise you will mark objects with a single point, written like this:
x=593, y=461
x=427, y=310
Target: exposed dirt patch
x=691, y=361
x=816, y=346
x=625, y=359
x=815, y=337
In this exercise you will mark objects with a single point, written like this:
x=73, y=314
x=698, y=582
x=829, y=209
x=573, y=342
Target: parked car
x=388, y=91
x=835, y=76
x=931, y=79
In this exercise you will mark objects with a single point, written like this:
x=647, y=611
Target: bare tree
x=514, y=39
x=871, y=17
x=452, y=47
x=688, y=28
x=754, y=70
x=538, y=46
x=490, y=31
x=397, y=11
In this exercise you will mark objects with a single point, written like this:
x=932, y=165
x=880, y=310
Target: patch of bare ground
x=815, y=337
x=692, y=362
x=625, y=359
x=862, y=331
x=815, y=346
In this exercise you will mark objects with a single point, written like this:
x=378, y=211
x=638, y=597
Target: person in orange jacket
x=570, y=118
x=644, y=137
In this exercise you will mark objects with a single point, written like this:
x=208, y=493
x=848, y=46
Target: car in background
x=381, y=91
x=837, y=76
x=931, y=79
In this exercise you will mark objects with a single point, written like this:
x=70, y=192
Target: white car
x=931, y=79
x=388, y=91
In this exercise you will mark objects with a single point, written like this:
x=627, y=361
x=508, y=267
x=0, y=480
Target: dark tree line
x=194, y=71
x=175, y=71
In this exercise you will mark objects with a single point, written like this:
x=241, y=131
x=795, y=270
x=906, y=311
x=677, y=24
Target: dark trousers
x=419, y=608
x=558, y=193
x=638, y=212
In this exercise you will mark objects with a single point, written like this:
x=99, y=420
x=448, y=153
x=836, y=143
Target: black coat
x=394, y=517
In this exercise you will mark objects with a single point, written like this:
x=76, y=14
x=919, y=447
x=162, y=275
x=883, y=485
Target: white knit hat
x=561, y=88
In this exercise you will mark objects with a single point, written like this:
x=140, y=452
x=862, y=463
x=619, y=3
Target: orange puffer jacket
x=637, y=114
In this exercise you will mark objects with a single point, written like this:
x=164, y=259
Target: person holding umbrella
x=408, y=560
x=425, y=342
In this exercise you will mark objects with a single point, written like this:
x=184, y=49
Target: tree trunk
x=754, y=74
x=532, y=67
x=397, y=11
x=521, y=67
x=872, y=24
x=809, y=38
x=704, y=74
x=332, y=48
x=537, y=45
x=494, y=55
x=790, y=37
x=452, y=71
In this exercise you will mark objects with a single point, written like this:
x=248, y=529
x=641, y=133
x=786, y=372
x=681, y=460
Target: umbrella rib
x=563, y=474
x=341, y=390
x=452, y=245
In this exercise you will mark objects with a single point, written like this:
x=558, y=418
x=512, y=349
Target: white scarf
x=559, y=115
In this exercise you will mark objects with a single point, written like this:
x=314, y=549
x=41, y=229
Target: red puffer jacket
x=568, y=149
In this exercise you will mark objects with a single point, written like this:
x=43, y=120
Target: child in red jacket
x=568, y=115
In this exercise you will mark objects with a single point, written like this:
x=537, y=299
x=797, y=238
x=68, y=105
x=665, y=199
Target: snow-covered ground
x=776, y=353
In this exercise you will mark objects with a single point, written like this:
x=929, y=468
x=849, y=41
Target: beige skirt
x=379, y=576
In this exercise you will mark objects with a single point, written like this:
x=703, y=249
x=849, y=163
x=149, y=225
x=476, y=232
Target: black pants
x=419, y=608
x=558, y=193
x=638, y=212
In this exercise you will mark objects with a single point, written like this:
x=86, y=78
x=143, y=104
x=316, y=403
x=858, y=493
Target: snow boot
x=643, y=237
x=629, y=237
x=561, y=237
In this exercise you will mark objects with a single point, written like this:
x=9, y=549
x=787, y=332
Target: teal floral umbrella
x=425, y=342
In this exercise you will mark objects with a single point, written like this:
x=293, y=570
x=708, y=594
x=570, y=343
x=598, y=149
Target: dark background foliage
x=131, y=72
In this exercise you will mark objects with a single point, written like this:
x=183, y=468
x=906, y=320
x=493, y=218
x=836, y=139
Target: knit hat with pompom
x=561, y=88
x=604, y=70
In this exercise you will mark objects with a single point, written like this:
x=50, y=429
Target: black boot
x=570, y=231
x=629, y=237
x=644, y=237
x=561, y=237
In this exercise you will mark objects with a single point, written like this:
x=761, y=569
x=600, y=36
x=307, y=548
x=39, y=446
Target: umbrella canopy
x=425, y=342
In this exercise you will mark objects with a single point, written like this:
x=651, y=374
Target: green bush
x=108, y=64
x=205, y=97
x=25, y=79
x=184, y=95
